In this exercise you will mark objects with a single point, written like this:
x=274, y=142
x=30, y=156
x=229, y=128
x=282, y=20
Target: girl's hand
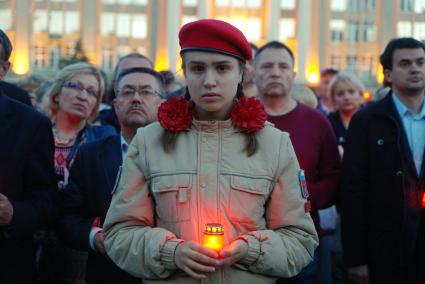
x=196, y=260
x=232, y=253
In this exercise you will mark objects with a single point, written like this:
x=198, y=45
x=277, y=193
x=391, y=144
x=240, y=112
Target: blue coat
x=87, y=197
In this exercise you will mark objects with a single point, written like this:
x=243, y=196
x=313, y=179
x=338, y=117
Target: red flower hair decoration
x=248, y=114
x=176, y=114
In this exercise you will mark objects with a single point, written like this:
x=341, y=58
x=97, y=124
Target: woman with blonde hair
x=72, y=102
x=212, y=167
x=346, y=92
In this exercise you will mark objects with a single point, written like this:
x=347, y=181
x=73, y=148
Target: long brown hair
x=168, y=139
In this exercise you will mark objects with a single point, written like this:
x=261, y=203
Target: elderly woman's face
x=212, y=80
x=79, y=96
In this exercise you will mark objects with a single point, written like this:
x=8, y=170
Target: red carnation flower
x=249, y=115
x=175, y=114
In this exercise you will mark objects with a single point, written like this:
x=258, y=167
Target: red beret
x=216, y=36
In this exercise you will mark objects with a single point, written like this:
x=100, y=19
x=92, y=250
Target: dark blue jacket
x=87, y=197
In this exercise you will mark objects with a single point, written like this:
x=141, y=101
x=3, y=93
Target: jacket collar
x=386, y=108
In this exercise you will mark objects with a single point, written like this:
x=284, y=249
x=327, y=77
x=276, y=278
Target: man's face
x=137, y=100
x=273, y=72
x=322, y=87
x=408, y=71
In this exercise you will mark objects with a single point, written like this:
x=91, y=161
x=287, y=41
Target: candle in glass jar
x=213, y=237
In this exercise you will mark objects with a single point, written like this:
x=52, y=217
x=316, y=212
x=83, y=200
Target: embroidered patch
x=303, y=184
x=117, y=180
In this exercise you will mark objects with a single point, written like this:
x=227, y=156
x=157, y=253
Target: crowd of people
x=116, y=182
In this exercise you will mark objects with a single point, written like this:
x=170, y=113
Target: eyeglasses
x=130, y=92
x=78, y=86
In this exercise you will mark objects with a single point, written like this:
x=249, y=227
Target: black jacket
x=15, y=93
x=27, y=179
x=381, y=211
x=87, y=197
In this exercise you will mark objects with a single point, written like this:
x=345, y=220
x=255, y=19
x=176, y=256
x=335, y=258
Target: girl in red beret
x=212, y=191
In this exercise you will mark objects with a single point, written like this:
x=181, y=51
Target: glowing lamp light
x=367, y=96
x=423, y=200
x=313, y=78
x=213, y=237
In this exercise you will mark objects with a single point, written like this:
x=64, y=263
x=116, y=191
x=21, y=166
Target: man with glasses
x=8, y=89
x=86, y=198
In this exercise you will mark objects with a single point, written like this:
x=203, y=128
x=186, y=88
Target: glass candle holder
x=213, y=237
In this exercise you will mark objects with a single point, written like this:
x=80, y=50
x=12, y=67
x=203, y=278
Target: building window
x=354, y=5
x=406, y=5
x=369, y=32
x=123, y=25
x=139, y=26
x=353, y=31
x=55, y=56
x=404, y=29
x=107, y=26
x=419, y=31
x=40, y=21
x=190, y=3
x=419, y=6
x=254, y=4
x=238, y=3
x=338, y=5
x=5, y=19
x=253, y=29
x=351, y=63
x=286, y=29
x=106, y=58
x=336, y=62
x=370, y=4
x=142, y=2
x=188, y=19
x=365, y=64
x=40, y=56
x=56, y=22
x=72, y=22
x=123, y=2
x=222, y=3
x=287, y=4
x=337, y=30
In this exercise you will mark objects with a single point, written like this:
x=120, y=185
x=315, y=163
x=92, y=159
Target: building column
x=173, y=27
x=303, y=39
x=22, y=38
x=203, y=9
x=273, y=13
x=89, y=24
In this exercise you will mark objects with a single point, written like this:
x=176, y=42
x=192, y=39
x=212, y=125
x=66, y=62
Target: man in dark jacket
x=383, y=176
x=27, y=187
x=93, y=175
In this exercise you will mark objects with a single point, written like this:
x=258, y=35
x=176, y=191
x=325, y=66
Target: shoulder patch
x=303, y=184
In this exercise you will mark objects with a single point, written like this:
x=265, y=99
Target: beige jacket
x=163, y=199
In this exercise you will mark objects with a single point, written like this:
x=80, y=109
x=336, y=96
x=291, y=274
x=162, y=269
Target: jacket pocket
x=172, y=197
x=247, y=201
